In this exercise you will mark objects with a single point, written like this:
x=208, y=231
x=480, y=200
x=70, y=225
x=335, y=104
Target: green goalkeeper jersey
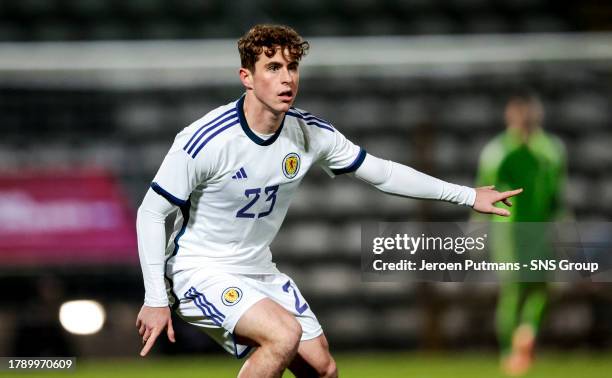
x=537, y=166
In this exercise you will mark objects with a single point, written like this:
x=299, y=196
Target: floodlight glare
x=82, y=317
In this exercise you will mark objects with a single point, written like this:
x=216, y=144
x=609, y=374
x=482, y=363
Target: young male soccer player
x=232, y=174
x=526, y=156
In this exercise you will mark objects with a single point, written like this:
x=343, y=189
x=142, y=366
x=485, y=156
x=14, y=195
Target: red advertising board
x=64, y=217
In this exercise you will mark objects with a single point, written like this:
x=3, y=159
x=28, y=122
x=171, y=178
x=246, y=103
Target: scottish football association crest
x=231, y=296
x=291, y=165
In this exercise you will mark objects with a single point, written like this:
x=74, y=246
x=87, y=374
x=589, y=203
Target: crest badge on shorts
x=291, y=165
x=231, y=296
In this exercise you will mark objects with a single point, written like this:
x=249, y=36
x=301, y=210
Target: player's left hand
x=487, y=197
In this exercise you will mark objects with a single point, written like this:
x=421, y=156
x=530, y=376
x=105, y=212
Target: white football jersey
x=234, y=188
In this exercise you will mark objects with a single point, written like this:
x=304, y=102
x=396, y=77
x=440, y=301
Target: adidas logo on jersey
x=240, y=174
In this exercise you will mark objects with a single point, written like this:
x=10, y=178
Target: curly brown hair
x=268, y=38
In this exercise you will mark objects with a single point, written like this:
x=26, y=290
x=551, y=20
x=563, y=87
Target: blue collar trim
x=247, y=130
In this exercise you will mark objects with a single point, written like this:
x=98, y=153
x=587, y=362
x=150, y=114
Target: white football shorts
x=215, y=301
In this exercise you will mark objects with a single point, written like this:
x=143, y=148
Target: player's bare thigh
x=266, y=322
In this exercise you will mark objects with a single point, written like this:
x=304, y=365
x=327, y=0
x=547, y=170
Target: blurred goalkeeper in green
x=525, y=156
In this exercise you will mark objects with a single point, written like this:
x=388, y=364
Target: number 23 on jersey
x=254, y=194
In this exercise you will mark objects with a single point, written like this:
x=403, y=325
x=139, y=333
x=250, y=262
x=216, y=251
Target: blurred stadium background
x=92, y=93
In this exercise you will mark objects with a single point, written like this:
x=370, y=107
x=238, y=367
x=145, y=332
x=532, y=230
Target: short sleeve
x=180, y=173
x=340, y=155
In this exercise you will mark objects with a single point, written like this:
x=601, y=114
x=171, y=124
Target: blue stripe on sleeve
x=312, y=120
x=354, y=165
x=208, y=124
x=233, y=123
x=228, y=118
x=172, y=199
x=309, y=116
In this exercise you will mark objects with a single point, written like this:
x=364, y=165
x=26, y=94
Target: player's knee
x=328, y=369
x=332, y=370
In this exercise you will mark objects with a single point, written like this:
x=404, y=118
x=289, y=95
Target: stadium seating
x=40, y=20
